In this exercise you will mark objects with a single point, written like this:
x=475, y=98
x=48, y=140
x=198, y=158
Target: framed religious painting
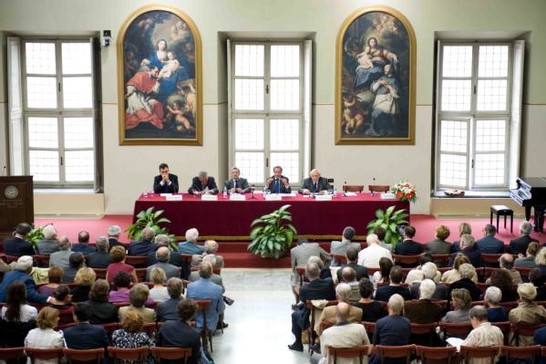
x=375, y=79
x=159, y=78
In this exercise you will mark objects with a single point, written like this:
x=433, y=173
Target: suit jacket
x=526, y=262
x=340, y=247
x=83, y=248
x=60, y=259
x=422, y=311
x=322, y=185
x=168, y=310
x=142, y=247
x=475, y=292
x=300, y=254
x=197, y=186
x=385, y=292
x=205, y=289
x=519, y=245
x=17, y=275
x=95, y=336
x=174, y=260
x=438, y=246
x=113, y=242
x=241, y=183
x=473, y=254
x=170, y=270
x=18, y=247
x=282, y=187
x=328, y=314
x=47, y=246
x=318, y=289
x=102, y=312
x=98, y=260
x=490, y=245
x=180, y=334
x=215, y=278
x=408, y=247
x=360, y=271
x=440, y=293
x=172, y=188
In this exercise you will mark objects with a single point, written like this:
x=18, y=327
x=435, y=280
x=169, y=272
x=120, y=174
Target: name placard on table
x=237, y=197
x=387, y=196
x=273, y=197
x=209, y=197
x=325, y=197
x=169, y=197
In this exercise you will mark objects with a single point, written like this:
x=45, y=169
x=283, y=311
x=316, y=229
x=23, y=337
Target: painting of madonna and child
x=375, y=102
x=161, y=80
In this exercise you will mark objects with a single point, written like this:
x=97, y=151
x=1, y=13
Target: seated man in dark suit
x=101, y=258
x=83, y=244
x=203, y=184
x=316, y=289
x=17, y=245
x=236, y=184
x=489, y=244
x=165, y=182
x=167, y=310
x=352, y=257
x=164, y=240
x=468, y=248
x=408, y=246
x=315, y=184
x=393, y=330
x=114, y=232
x=519, y=245
x=278, y=183
x=467, y=271
x=84, y=335
x=144, y=246
x=385, y=292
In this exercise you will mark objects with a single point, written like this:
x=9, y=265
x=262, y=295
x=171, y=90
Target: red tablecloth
x=226, y=220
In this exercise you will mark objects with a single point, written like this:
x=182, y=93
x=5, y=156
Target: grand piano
x=531, y=192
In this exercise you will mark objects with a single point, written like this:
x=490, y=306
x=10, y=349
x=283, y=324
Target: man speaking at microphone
x=166, y=182
x=236, y=184
x=278, y=183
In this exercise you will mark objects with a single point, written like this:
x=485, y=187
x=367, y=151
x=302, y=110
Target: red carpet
x=235, y=254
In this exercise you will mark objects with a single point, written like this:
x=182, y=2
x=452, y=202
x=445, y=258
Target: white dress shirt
x=370, y=256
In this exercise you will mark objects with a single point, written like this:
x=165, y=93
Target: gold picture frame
x=159, y=78
x=375, y=78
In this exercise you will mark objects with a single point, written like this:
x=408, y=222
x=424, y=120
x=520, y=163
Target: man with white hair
x=519, y=245
x=114, y=232
x=163, y=255
x=49, y=244
x=190, y=245
x=495, y=312
x=144, y=246
x=424, y=310
x=62, y=257
x=21, y=272
x=215, y=278
x=394, y=329
x=370, y=256
x=203, y=184
x=101, y=258
x=210, y=248
x=163, y=240
x=430, y=272
x=315, y=184
x=328, y=314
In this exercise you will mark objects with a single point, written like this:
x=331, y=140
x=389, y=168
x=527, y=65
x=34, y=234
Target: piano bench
x=502, y=210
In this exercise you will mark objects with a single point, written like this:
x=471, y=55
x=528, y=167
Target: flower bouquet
x=404, y=191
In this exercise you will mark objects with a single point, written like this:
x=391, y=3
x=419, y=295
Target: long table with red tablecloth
x=227, y=219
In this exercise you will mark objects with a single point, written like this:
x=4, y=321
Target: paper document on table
x=351, y=194
x=455, y=341
x=387, y=196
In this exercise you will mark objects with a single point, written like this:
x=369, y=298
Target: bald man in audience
x=506, y=262
x=163, y=255
x=348, y=275
x=343, y=294
x=393, y=330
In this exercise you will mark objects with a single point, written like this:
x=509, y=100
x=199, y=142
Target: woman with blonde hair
x=464, y=229
x=44, y=336
x=159, y=292
x=130, y=335
x=84, y=279
x=461, y=304
x=454, y=275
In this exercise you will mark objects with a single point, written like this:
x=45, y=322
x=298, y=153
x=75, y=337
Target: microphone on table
x=252, y=187
x=373, y=192
x=5, y=171
x=345, y=189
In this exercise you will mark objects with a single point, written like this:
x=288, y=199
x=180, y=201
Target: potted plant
x=272, y=234
x=152, y=219
x=390, y=221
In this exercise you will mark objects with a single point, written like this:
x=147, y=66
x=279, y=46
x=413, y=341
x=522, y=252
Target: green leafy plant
x=151, y=219
x=272, y=234
x=389, y=220
x=35, y=235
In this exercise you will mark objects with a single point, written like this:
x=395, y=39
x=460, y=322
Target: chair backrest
x=395, y=352
x=141, y=274
x=300, y=271
x=359, y=352
x=426, y=353
x=379, y=188
x=522, y=330
x=170, y=353
x=504, y=326
x=100, y=272
x=419, y=329
x=41, y=260
x=12, y=353
x=137, y=261
x=119, y=354
x=441, y=259
x=43, y=353
x=521, y=352
x=84, y=355
x=491, y=260
x=110, y=328
x=406, y=259
x=353, y=188
x=458, y=329
x=340, y=258
x=475, y=352
x=150, y=328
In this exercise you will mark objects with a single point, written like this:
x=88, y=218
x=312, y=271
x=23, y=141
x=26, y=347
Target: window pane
x=285, y=94
x=454, y=136
x=249, y=94
x=77, y=92
x=285, y=134
x=457, y=61
x=42, y=92
x=490, y=135
x=453, y=169
x=249, y=134
x=456, y=95
x=249, y=60
x=78, y=133
x=489, y=169
x=493, y=61
x=42, y=133
x=40, y=58
x=44, y=165
x=79, y=166
x=285, y=61
x=290, y=166
x=251, y=165
x=76, y=58
x=492, y=95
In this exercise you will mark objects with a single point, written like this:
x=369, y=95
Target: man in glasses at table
x=236, y=184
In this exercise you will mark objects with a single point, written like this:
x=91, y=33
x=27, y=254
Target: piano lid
x=535, y=182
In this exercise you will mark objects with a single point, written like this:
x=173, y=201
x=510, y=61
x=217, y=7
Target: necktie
x=277, y=186
x=315, y=187
x=234, y=183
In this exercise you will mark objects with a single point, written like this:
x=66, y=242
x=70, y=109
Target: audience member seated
x=100, y=310
x=328, y=314
x=75, y=262
x=489, y=244
x=83, y=244
x=44, y=336
x=501, y=278
x=210, y=248
x=520, y=245
x=117, y=257
x=392, y=330
x=528, y=312
x=454, y=275
x=190, y=245
x=419, y=273
x=541, y=261
x=122, y=283
x=440, y=245
x=16, y=307
x=61, y=258
x=380, y=232
x=352, y=257
x=18, y=245
x=483, y=334
x=461, y=301
x=300, y=254
x=316, y=289
x=371, y=310
x=138, y=296
x=163, y=240
x=348, y=276
x=385, y=292
x=528, y=261
x=114, y=231
x=95, y=335
x=382, y=275
x=49, y=244
x=370, y=256
x=54, y=278
x=60, y=300
x=144, y=246
x=100, y=258
x=468, y=248
x=506, y=262
x=491, y=298
x=538, y=280
x=408, y=246
x=464, y=229
x=214, y=278
x=131, y=335
x=539, y=338
x=21, y=272
x=344, y=334
x=340, y=247
x=179, y=333
x=168, y=310
x=85, y=277
x=163, y=256
x=159, y=292
x=429, y=272
x=467, y=271
x=423, y=310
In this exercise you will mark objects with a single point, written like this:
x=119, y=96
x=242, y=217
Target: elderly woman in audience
x=55, y=277
x=60, y=300
x=502, y=279
x=100, y=310
x=538, y=280
x=483, y=334
x=467, y=271
x=131, y=334
x=495, y=313
x=122, y=282
x=394, y=329
x=75, y=262
x=85, y=277
x=540, y=260
x=440, y=245
x=138, y=296
x=461, y=304
x=382, y=275
x=159, y=292
x=528, y=312
x=468, y=248
x=371, y=310
x=464, y=228
x=44, y=336
x=117, y=257
x=426, y=270
x=453, y=275
x=528, y=261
